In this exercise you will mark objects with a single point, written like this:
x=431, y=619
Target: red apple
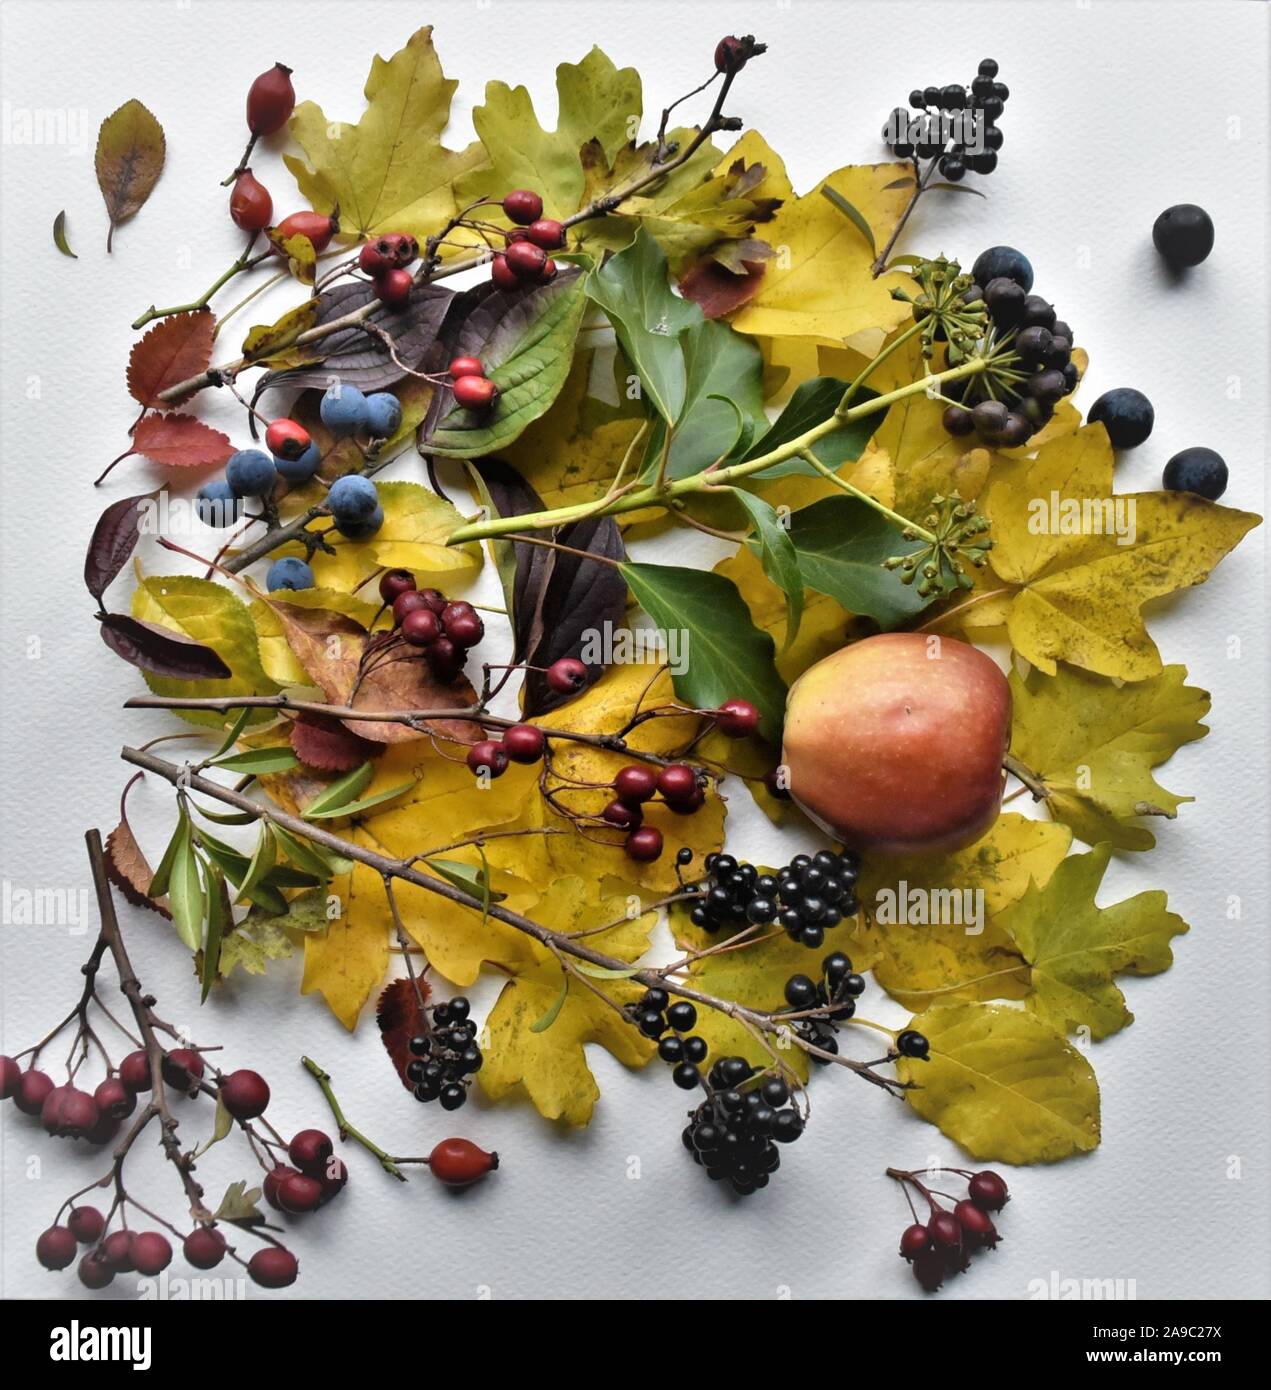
x=894, y=745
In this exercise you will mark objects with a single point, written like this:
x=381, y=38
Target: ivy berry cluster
x=807, y=897
x=956, y=157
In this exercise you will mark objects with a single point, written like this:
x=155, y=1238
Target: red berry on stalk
x=114, y=1100
x=929, y=1269
x=204, y=1247
x=465, y=366
x=475, y=392
x=977, y=1225
x=56, y=1248
x=689, y=804
x=316, y=227
x=116, y=1251
x=86, y=1224
x=459, y=608
x=678, y=782
x=151, y=1252
x=33, y=1090
x=420, y=627
x=391, y=251
x=69, y=1112
x=548, y=272
x=737, y=718
x=988, y=1191
x=548, y=233
x=334, y=1178
x=466, y=630
x=435, y=599
x=731, y=52
x=395, y=583
x=393, y=287
x=525, y=260
x=10, y=1076
x=250, y=206
x=914, y=1240
x=460, y=1162
x=567, y=676
x=273, y=1267
x=445, y=660
x=245, y=1094
x=134, y=1072
x=182, y=1068
x=946, y=1232
x=502, y=274
x=412, y=601
x=644, y=845
x=286, y=439
x=488, y=756
x=635, y=783
x=310, y=1150
x=299, y=1193
x=273, y=1180
x=524, y=743
x=522, y=206
x=623, y=814
x=94, y=1272
x=270, y=100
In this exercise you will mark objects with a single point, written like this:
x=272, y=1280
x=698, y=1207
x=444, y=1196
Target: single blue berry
x=251, y=473
x=1126, y=414
x=343, y=410
x=218, y=504
x=1184, y=235
x=289, y=573
x=999, y=261
x=1197, y=470
x=360, y=530
x=302, y=469
x=352, y=498
x=383, y=414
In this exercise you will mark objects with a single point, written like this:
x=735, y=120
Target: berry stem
x=346, y=1130
x=903, y=522
x=245, y=262
x=1027, y=776
x=921, y=182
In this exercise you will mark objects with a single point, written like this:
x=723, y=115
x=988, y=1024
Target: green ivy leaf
x=778, y=556
x=727, y=655
x=812, y=403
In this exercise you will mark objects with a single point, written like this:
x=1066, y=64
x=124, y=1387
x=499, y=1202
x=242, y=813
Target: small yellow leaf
x=346, y=963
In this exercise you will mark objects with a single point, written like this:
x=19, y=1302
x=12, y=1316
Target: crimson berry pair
x=385, y=260
x=312, y=1178
x=522, y=743
x=472, y=388
x=525, y=261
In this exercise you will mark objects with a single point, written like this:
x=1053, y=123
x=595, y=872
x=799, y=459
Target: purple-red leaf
x=159, y=651
x=180, y=441
x=400, y=1019
x=113, y=541
x=328, y=745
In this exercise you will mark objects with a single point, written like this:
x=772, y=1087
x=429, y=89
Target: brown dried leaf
x=129, y=160
x=177, y=347
x=328, y=745
x=130, y=872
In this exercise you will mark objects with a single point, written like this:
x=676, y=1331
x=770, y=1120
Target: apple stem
x=1026, y=775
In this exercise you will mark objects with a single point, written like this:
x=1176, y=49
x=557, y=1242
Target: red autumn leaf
x=717, y=291
x=176, y=348
x=400, y=1019
x=328, y=745
x=180, y=441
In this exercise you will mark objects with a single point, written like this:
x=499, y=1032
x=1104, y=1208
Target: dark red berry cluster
x=385, y=260
x=311, y=1179
x=678, y=787
x=425, y=619
x=945, y=1244
x=524, y=259
x=445, y=1058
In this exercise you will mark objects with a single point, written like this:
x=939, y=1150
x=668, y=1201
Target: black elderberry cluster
x=958, y=156
x=445, y=1059
x=666, y=1023
x=836, y=993
x=811, y=894
x=1008, y=406
x=735, y=1131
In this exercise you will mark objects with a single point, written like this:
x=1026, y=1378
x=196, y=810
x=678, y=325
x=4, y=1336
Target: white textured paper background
x=1117, y=110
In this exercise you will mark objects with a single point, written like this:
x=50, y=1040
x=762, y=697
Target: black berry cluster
x=811, y=894
x=666, y=1023
x=735, y=1131
x=446, y=1058
x=836, y=993
x=939, y=132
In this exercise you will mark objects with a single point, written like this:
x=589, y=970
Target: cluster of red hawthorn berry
x=943, y=1246
x=426, y=620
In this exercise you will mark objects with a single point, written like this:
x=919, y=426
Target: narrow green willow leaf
x=354, y=808
x=348, y=787
x=262, y=861
x=955, y=188
x=604, y=972
x=163, y=874
x=465, y=876
x=314, y=859
x=236, y=728
x=287, y=876
x=185, y=893
x=227, y=817
x=541, y=1025
x=219, y=919
x=852, y=213
x=778, y=556
x=259, y=760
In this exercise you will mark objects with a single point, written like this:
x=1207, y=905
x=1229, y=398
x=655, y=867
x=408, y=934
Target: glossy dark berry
x=681, y=1016
x=929, y=1269
x=957, y=421
x=911, y=1043
x=1004, y=299
x=1184, y=235
x=635, y=783
x=310, y=1150
x=273, y=1267
x=452, y=1096
x=953, y=167
x=1126, y=414
x=988, y=1190
x=914, y=1240
x=487, y=757
x=800, y=992
x=737, y=718
x=651, y=1023
x=524, y=743
x=686, y=1076
x=1003, y=262
x=204, y=1247
x=523, y=206
x=644, y=845
x=671, y=1048
x=678, y=782
x=1197, y=470
x=695, y=1050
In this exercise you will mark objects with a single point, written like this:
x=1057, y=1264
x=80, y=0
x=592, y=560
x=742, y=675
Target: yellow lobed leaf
x=550, y=1065
x=821, y=285
x=1094, y=744
x=1073, y=948
x=1003, y=1084
x=346, y=962
x=923, y=962
x=389, y=172
x=1080, y=595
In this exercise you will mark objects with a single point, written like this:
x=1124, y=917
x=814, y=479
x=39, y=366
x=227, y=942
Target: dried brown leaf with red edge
x=328, y=746
x=177, y=347
x=180, y=441
x=400, y=1019
x=330, y=647
x=129, y=870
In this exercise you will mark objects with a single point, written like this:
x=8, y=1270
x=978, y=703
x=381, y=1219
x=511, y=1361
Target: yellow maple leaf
x=965, y=954
x=821, y=284
x=535, y=1035
x=346, y=962
x=1080, y=590
x=389, y=172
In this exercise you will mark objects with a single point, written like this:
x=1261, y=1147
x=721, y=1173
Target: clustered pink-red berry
x=944, y=1245
x=524, y=260
x=444, y=631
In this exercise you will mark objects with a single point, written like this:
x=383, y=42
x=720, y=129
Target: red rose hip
x=460, y=1162
x=250, y=206
x=270, y=100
